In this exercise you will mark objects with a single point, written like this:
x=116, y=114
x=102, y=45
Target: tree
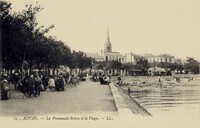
x=114, y=64
x=192, y=65
x=128, y=66
x=142, y=64
x=99, y=65
x=79, y=60
x=7, y=55
x=21, y=36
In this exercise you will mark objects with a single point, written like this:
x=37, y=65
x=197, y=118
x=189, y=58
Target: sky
x=138, y=26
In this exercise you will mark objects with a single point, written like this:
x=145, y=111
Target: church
x=107, y=54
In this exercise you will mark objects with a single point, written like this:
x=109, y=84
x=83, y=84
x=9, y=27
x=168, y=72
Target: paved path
x=87, y=97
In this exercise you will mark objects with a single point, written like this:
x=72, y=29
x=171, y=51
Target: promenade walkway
x=88, y=97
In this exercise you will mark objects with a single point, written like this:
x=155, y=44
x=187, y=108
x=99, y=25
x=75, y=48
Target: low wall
x=125, y=103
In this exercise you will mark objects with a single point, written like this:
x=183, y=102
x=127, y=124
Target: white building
x=161, y=58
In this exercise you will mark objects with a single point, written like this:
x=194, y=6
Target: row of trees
x=191, y=65
x=25, y=45
x=142, y=64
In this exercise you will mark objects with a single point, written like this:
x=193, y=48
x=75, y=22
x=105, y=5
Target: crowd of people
x=32, y=85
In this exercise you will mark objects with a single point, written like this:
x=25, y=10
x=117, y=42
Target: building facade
x=161, y=58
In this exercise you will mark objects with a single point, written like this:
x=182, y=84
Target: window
x=106, y=57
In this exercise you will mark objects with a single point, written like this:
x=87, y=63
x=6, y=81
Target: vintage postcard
x=100, y=63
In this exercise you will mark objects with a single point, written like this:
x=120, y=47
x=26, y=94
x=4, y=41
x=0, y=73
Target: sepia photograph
x=100, y=63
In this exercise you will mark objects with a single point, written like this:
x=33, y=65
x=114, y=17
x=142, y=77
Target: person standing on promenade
x=25, y=84
x=52, y=84
x=31, y=86
x=5, y=89
x=60, y=84
x=16, y=79
x=69, y=80
x=38, y=83
x=45, y=81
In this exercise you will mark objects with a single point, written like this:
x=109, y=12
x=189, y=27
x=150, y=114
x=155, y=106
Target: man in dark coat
x=31, y=86
x=38, y=82
x=60, y=84
x=45, y=81
x=25, y=86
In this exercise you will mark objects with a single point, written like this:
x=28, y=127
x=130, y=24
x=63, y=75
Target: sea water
x=170, y=101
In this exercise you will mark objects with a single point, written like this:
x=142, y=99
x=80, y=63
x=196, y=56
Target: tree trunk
x=57, y=71
x=40, y=71
x=30, y=69
x=54, y=69
x=53, y=72
x=22, y=68
x=10, y=71
x=39, y=68
x=48, y=71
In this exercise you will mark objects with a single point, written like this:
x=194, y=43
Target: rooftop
x=94, y=55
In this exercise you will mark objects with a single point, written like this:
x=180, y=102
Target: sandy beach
x=165, y=97
x=144, y=81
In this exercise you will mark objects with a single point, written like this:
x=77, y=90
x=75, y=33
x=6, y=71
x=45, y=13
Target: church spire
x=107, y=45
x=108, y=36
